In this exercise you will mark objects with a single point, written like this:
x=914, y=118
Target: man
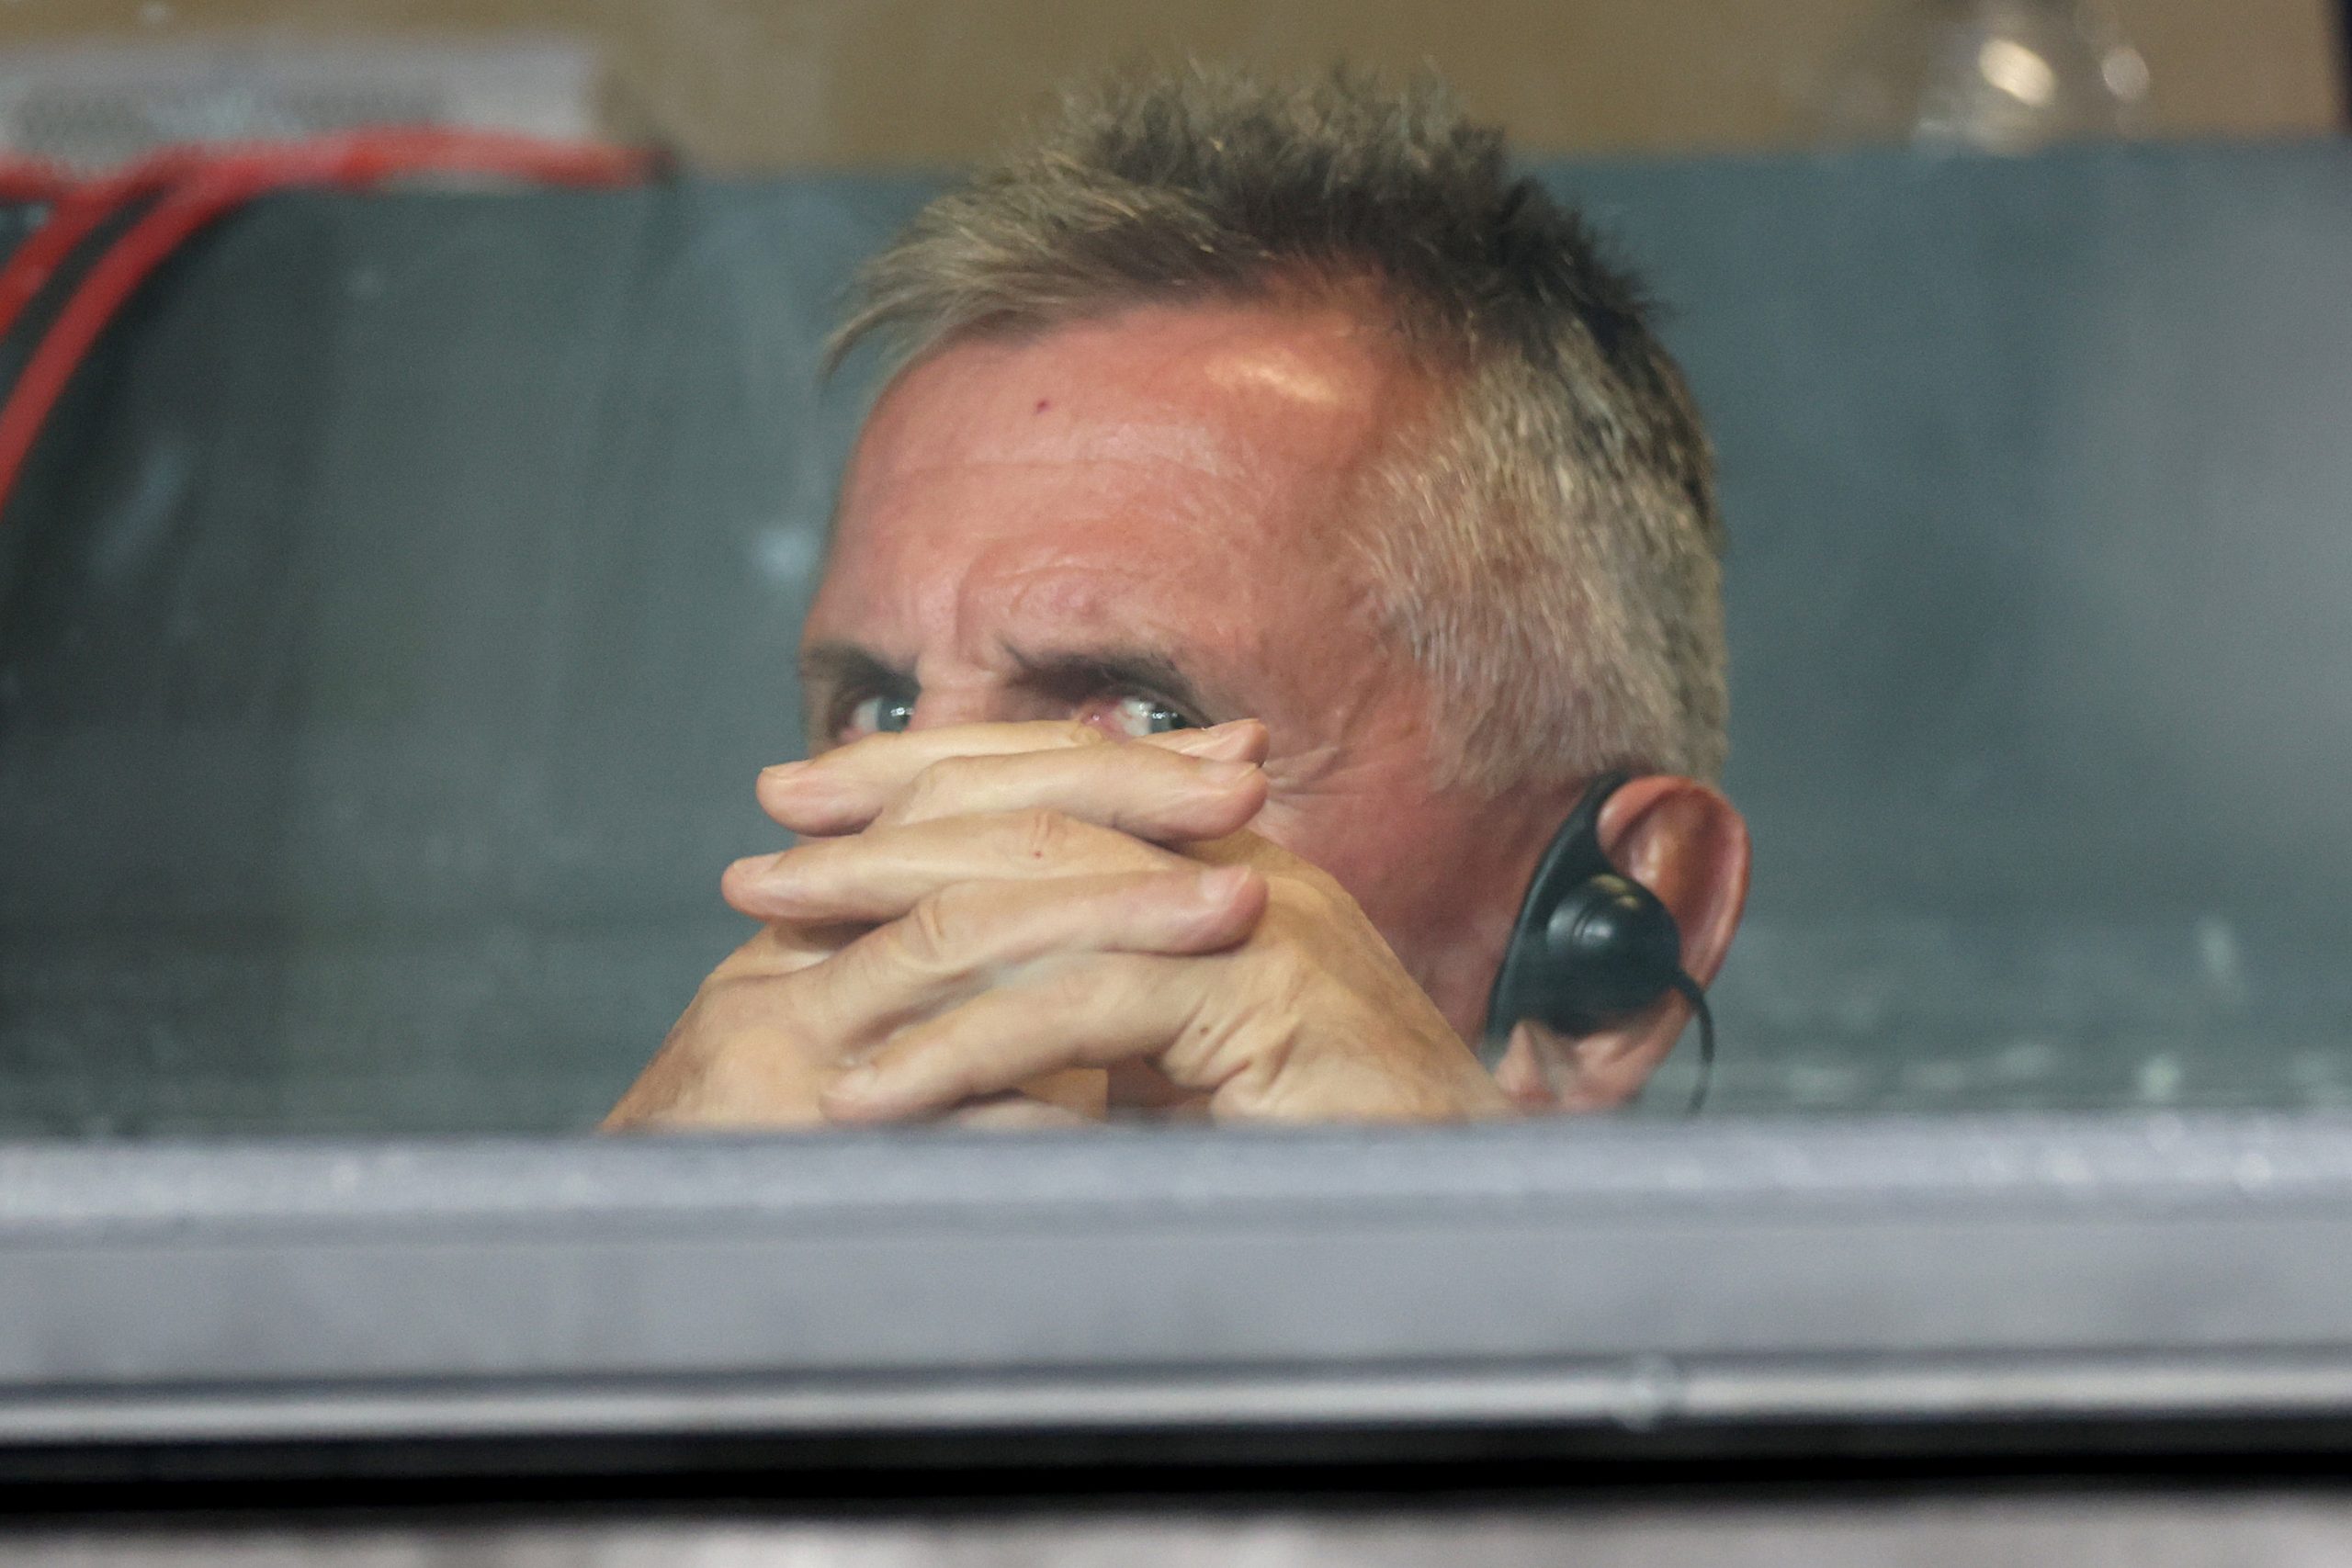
x=1278, y=518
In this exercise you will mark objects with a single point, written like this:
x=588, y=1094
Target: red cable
x=198, y=186
x=77, y=210
x=32, y=182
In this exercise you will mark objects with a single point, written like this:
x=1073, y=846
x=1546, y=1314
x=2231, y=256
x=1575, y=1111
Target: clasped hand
x=1024, y=923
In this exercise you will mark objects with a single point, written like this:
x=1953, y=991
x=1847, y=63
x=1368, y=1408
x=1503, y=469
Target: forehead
x=1177, y=471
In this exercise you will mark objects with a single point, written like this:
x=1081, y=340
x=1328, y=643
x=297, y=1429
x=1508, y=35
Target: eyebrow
x=1095, y=670
x=835, y=666
x=846, y=664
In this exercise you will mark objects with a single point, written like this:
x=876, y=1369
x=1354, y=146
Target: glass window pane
x=404, y=578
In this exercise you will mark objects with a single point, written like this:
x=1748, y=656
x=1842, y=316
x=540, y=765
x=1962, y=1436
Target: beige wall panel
x=2240, y=67
x=893, y=82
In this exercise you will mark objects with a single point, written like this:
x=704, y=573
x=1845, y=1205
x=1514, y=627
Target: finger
x=1142, y=791
x=844, y=790
x=784, y=949
x=1081, y=1090
x=1016, y=1112
x=1095, y=1013
x=1236, y=740
x=1135, y=1085
x=881, y=765
x=880, y=874
x=957, y=942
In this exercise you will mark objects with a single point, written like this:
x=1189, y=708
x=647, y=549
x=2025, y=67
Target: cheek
x=1415, y=864
x=1367, y=847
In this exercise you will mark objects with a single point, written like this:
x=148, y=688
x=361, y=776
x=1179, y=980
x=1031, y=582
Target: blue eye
x=1139, y=714
x=877, y=716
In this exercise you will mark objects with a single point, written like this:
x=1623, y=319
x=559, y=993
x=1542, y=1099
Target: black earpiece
x=1592, y=945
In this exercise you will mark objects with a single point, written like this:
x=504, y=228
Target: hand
x=756, y=1048
x=1028, y=916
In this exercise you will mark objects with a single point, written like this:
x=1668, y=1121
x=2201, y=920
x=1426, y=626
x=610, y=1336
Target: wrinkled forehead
x=1205, y=459
x=1212, y=386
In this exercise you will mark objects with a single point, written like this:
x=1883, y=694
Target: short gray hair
x=1549, y=545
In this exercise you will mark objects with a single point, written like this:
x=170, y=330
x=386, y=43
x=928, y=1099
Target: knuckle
x=1040, y=832
x=1071, y=988
x=1253, y=1047
x=950, y=773
x=932, y=930
x=940, y=783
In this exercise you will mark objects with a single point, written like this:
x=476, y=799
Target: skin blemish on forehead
x=1043, y=404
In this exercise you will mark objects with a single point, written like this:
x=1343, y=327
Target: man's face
x=1144, y=520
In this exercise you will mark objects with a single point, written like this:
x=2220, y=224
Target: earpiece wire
x=1690, y=992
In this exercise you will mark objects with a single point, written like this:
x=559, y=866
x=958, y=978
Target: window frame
x=1712, y=1283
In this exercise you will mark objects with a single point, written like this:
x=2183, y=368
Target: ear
x=1688, y=845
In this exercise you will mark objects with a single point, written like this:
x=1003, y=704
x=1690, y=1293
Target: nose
x=974, y=702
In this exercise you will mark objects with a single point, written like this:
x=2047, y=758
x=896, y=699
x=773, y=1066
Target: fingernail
x=1218, y=741
x=858, y=1083
x=1226, y=775
x=1221, y=887
x=766, y=873
x=802, y=793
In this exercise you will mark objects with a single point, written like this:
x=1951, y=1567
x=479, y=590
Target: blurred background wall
x=817, y=84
